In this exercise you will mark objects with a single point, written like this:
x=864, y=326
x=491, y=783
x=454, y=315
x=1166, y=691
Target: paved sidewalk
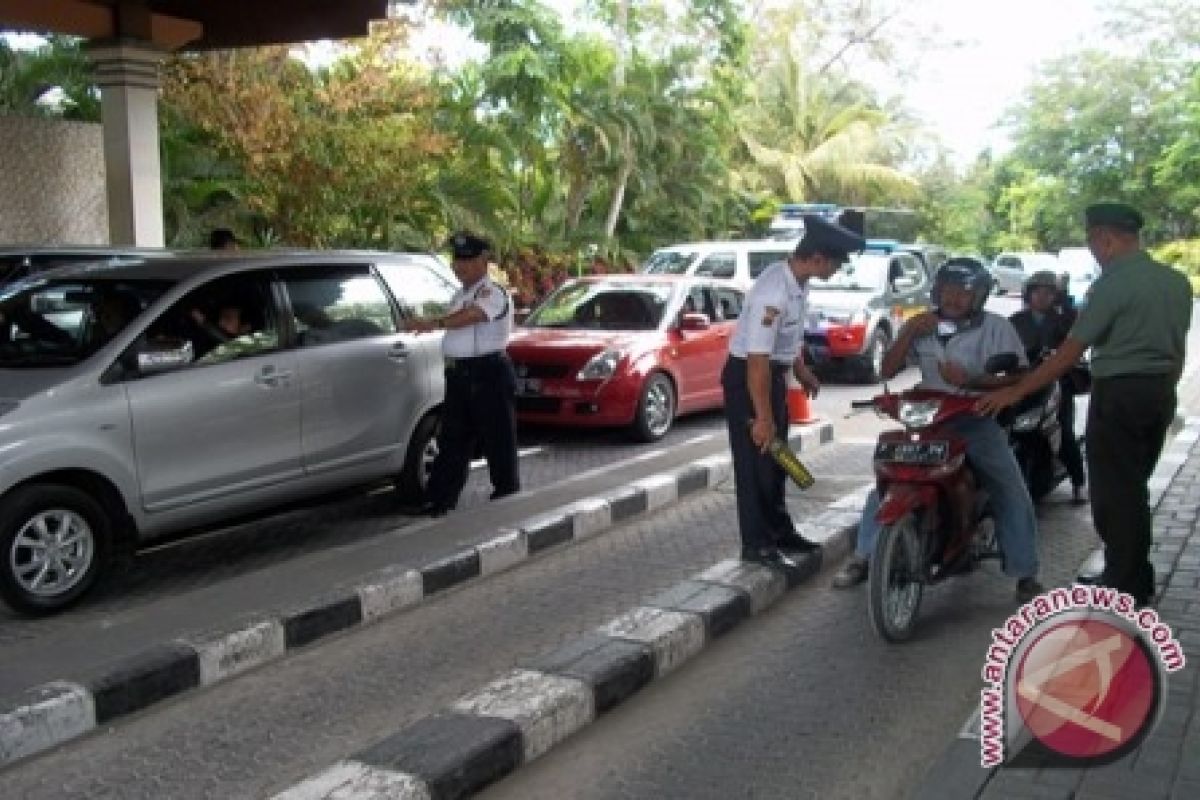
x=1167, y=765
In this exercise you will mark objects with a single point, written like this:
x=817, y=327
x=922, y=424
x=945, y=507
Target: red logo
x=1087, y=689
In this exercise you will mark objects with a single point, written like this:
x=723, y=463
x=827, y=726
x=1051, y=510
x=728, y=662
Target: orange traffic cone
x=799, y=407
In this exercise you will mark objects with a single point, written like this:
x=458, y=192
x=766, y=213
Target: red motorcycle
x=935, y=516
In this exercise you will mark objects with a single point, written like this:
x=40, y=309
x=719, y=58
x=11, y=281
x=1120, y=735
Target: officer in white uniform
x=480, y=382
x=765, y=346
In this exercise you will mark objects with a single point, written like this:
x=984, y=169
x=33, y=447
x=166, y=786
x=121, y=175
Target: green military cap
x=1114, y=215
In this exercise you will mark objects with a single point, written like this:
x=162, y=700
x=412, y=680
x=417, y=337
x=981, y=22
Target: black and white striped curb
x=494, y=731
x=59, y=711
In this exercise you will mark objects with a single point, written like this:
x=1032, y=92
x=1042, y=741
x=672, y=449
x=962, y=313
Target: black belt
x=776, y=366
x=1136, y=376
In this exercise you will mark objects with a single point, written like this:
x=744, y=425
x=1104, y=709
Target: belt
x=776, y=366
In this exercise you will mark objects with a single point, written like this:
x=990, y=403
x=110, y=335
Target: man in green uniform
x=1136, y=321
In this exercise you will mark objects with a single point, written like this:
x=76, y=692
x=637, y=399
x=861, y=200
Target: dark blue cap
x=830, y=238
x=468, y=245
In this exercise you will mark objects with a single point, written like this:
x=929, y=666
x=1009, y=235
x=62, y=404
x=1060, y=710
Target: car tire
x=870, y=364
x=656, y=408
x=64, y=512
x=413, y=480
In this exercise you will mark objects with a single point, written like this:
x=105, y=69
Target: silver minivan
x=154, y=397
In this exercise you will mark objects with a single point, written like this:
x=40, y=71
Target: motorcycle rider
x=1043, y=327
x=951, y=346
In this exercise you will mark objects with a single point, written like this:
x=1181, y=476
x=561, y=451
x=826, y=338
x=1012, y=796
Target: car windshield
x=668, y=262
x=1080, y=263
x=862, y=273
x=62, y=322
x=587, y=305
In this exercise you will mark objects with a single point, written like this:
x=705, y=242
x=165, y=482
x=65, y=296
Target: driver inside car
x=950, y=346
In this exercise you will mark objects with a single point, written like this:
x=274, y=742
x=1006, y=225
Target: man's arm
x=1053, y=368
x=896, y=356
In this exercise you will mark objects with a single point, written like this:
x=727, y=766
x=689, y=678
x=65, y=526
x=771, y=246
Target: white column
x=128, y=75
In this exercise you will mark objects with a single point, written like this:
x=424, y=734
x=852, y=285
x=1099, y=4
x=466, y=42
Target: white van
x=739, y=262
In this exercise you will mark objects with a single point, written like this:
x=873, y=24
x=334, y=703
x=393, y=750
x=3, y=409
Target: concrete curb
x=494, y=731
x=58, y=711
x=957, y=772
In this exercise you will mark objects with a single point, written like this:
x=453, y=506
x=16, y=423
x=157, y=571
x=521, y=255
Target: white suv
x=739, y=262
x=1011, y=270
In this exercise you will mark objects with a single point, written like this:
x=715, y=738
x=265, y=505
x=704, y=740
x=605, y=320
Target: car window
x=1009, y=261
x=53, y=323
x=603, y=305
x=700, y=300
x=420, y=291
x=335, y=304
x=669, y=262
x=761, y=259
x=226, y=319
x=718, y=265
x=729, y=303
x=905, y=273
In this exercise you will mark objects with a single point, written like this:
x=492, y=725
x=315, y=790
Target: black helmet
x=1043, y=277
x=967, y=272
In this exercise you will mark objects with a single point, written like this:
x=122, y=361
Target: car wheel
x=413, y=480
x=54, y=541
x=656, y=408
x=871, y=361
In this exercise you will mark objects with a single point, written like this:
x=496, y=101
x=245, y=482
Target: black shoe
x=795, y=543
x=769, y=557
x=432, y=509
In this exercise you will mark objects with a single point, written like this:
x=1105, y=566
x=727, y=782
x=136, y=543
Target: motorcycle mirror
x=1001, y=363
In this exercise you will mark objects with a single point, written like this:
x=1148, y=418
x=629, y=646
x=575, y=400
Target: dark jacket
x=1046, y=335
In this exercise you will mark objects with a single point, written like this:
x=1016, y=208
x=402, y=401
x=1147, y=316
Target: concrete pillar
x=128, y=75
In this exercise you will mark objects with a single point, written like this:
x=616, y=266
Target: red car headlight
x=601, y=366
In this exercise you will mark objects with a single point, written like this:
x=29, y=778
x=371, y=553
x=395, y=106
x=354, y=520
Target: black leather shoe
x=795, y=543
x=769, y=557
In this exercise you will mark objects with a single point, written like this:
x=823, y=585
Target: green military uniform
x=1136, y=321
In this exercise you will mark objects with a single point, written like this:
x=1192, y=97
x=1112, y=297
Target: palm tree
x=815, y=139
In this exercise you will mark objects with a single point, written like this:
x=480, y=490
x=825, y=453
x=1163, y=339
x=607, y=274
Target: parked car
x=854, y=316
x=155, y=396
x=738, y=262
x=1082, y=270
x=931, y=256
x=1011, y=270
x=624, y=350
x=18, y=261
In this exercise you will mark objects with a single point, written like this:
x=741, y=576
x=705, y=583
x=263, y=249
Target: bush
x=1182, y=253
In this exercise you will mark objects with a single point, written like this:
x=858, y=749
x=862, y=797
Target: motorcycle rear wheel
x=896, y=581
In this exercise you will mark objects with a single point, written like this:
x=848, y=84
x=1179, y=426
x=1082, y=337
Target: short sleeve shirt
x=1136, y=318
x=482, y=338
x=971, y=348
x=772, y=319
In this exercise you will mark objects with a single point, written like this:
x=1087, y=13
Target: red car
x=624, y=350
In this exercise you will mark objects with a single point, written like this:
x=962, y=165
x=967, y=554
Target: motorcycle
x=936, y=520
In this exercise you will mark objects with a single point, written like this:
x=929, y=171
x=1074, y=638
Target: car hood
x=838, y=302
x=542, y=344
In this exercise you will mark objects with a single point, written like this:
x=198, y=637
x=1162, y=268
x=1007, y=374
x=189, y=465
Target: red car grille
x=539, y=405
x=541, y=370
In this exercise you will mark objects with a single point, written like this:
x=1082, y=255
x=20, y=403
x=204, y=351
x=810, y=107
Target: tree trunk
x=618, y=198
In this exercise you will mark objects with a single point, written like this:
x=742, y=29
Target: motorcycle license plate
x=913, y=452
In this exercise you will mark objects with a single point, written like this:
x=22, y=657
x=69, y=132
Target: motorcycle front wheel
x=896, y=581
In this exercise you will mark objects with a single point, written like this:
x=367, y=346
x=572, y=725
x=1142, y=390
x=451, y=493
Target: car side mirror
x=694, y=322
x=1002, y=363
x=164, y=356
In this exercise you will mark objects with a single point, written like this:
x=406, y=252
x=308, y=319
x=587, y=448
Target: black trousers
x=1128, y=419
x=762, y=515
x=1068, y=452
x=479, y=406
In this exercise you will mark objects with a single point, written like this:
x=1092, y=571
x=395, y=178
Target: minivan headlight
x=602, y=365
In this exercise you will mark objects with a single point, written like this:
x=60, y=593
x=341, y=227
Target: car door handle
x=398, y=352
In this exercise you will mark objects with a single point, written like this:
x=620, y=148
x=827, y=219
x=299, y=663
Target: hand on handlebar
x=993, y=403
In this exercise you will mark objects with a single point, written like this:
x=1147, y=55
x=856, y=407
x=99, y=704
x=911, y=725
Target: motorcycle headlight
x=602, y=365
x=1027, y=421
x=918, y=414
